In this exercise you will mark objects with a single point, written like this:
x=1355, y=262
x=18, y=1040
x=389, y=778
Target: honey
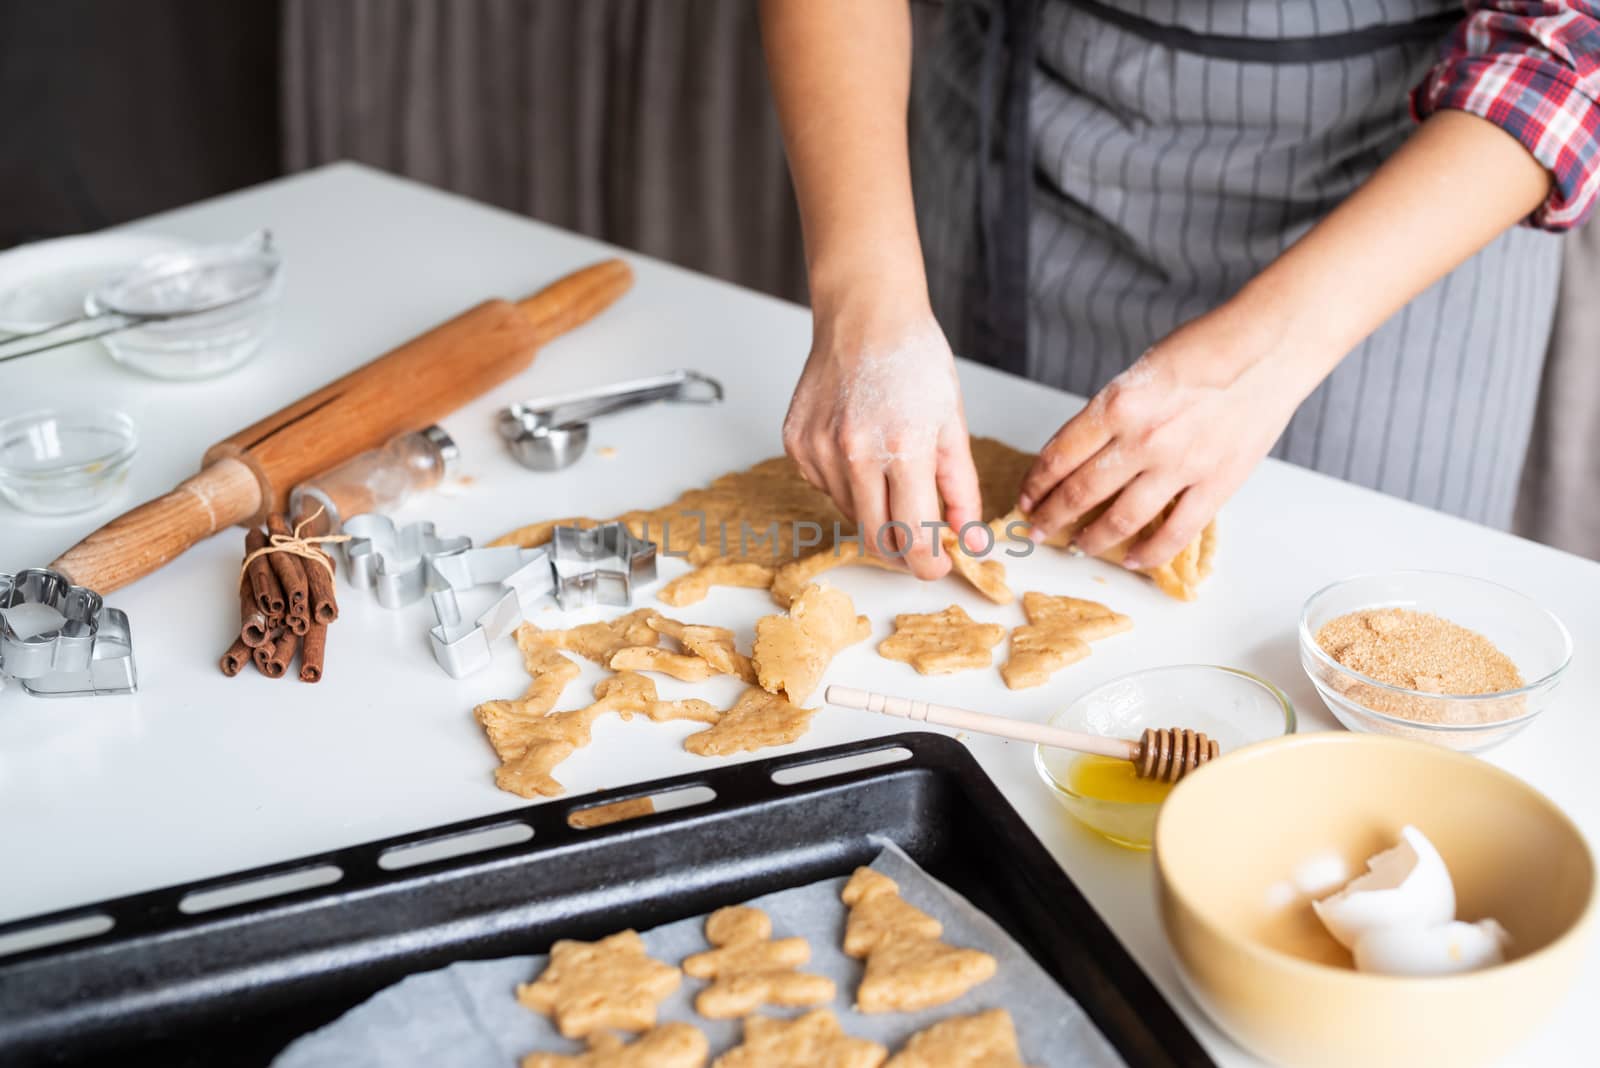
x=1103, y=778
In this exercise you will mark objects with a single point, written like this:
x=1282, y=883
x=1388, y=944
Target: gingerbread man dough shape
x=748, y=969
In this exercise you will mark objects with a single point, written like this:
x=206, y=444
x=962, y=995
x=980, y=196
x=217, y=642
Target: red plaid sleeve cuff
x=1532, y=69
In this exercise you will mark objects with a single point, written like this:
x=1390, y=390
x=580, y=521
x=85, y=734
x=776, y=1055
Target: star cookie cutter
x=577, y=568
x=89, y=652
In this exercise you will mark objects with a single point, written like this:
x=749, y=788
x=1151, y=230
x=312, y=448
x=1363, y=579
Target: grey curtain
x=642, y=122
x=1560, y=499
x=647, y=123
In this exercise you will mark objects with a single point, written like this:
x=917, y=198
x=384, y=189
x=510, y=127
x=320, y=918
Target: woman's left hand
x=1187, y=422
x=1194, y=415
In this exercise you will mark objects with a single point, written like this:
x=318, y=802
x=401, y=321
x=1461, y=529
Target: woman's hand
x=1188, y=422
x=876, y=423
x=876, y=420
x=1198, y=412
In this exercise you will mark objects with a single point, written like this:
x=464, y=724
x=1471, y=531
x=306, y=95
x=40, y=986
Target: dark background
x=110, y=111
x=645, y=123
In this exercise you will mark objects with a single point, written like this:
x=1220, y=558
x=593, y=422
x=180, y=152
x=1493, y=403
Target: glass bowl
x=1234, y=707
x=60, y=461
x=1531, y=636
x=240, y=283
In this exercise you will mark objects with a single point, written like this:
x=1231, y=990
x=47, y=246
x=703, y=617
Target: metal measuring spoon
x=549, y=433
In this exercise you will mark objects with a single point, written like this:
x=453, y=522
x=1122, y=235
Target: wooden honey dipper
x=1162, y=755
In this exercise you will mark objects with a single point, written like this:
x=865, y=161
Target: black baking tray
x=235, y=985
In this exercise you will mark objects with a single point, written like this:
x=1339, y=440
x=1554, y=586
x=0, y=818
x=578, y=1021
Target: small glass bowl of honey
x=1105, y=794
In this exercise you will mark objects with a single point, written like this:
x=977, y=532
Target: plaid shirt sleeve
x=1532, y=69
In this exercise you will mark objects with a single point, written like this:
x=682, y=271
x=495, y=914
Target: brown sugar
x=1419, y=651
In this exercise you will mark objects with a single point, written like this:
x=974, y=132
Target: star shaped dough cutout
x=610, y=985
x=942, y=643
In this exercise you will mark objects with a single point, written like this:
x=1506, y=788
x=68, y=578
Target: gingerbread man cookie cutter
x=577, y=568
x=60, y=640
x=395, y=562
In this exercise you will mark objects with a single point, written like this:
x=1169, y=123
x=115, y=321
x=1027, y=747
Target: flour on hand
x=904, y=395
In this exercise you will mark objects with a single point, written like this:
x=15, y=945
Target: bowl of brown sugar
x=1450, y=659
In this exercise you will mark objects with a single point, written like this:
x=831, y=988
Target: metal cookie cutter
x=394, y=562
x=59, y=640
x=550, y=433
x=578, y=568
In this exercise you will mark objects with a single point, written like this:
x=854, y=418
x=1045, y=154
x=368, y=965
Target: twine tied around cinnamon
x=296, y=545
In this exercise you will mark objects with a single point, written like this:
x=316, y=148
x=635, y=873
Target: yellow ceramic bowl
x=1257, y=959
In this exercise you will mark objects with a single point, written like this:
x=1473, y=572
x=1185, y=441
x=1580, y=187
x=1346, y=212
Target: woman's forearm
x=876, y=420
x=1197, y=412
x=841, y=75
x=1450, y=190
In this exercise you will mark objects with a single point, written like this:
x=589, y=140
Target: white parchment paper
x=467, y=1015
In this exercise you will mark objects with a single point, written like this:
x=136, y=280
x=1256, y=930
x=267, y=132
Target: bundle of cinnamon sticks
x=286, y=602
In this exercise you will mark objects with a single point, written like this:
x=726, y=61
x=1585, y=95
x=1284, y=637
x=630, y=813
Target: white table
x=199, y=775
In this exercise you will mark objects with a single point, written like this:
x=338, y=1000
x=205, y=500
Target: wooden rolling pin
x=245, y=476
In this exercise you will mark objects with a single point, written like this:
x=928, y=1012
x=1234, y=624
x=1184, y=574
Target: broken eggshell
x=1444, y=949
x=1407, y=886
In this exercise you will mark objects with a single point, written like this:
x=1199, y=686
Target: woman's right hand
x=876, y=423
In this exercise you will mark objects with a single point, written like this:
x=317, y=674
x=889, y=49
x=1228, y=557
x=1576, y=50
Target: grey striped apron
x=1170, y=149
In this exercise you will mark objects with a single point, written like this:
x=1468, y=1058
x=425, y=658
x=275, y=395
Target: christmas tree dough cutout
x=984, y=1040
x=908, y=968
